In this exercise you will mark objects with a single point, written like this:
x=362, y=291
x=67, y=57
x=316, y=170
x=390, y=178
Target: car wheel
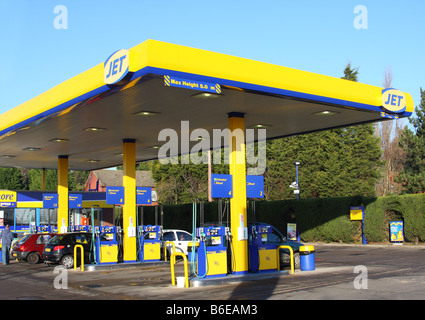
x=68, y=261
x=33, y=258
x=285, y=259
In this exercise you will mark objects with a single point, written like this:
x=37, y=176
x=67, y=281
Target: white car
x=181, y=239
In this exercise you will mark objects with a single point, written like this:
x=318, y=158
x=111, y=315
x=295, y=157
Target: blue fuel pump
x=262, y=255
x=212, y=252
x=150, y=243
x=106, y=245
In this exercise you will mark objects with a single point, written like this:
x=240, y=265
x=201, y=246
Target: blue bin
x=307, y=258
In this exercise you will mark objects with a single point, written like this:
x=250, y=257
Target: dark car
x=60, y=249
x=30, y=247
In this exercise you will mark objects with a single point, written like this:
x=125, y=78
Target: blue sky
x=311, y=35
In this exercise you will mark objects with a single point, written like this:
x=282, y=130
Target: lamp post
x=297, y=191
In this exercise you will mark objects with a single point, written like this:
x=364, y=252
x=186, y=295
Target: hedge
x=321, y=220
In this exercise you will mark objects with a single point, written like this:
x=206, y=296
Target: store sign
x=116, y=67
x=393, y=100
x=7, y=199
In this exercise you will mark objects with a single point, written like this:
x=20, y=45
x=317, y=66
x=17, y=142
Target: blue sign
x=143, y=195
x=254, y=186
x=114, y=195
x=192, y=84
x=50, y=200
x=75, y=201
x=393, y=100
x=116, y=67
x=221, y=186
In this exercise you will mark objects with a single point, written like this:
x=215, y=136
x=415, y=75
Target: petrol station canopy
x=159, y=85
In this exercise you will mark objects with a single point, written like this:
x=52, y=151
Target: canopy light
x=31, y=149
x=147, y=113
x=325, y=113
x=94, y=129
x=58, y=140
x=205, y=95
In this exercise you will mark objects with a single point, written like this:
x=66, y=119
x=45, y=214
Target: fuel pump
x=262, y=255
x=149, y=239
x=211, y=255
x=106, y=245
x=212, y=252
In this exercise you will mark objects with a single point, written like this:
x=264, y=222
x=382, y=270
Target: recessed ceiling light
x=94, y=129
x=147, y=113
x=31, y=149
x=58, y=140
x=93, y=160
x=7, y=156
x=155, y=147
x=325, y=113
x=119, y=154
x=260, y=126
x=206, y=95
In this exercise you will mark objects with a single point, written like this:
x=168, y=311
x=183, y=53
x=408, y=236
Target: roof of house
x=114, y=178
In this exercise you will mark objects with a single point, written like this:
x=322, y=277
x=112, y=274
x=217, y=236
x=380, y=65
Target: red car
x=30, y=247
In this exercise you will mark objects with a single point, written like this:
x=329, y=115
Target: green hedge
x=326, y=220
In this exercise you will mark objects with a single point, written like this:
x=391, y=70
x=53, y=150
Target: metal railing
x=82, y=256
x=186, y=273
x=292, y=257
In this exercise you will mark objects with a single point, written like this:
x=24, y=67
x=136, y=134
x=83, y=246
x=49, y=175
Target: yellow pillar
x=62, y=194
x=238, y=215
x=129, y=207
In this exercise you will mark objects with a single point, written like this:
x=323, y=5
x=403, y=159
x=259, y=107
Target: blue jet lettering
x=113, y=65
x=392, y=99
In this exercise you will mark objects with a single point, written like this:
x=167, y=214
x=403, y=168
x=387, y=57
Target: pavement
x=342, y=272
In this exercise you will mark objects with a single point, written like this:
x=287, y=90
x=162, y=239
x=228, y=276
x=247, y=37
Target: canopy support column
x=63, y=194
x=238, y=215
x=129, y=207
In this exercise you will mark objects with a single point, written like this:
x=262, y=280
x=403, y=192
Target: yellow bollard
x=82, y=256
x=292, y=257
x=186, y=273
x=165, y=249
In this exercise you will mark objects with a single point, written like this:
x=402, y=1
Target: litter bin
x=307, y=258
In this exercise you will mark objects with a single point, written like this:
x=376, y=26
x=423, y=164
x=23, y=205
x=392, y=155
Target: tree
x=413, y=143
x=11, y=179
x=393, y=156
